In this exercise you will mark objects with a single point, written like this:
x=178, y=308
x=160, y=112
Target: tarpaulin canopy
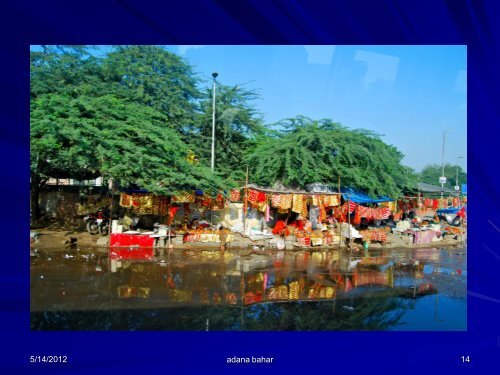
x=359, y=197
x=428, y=188
x=451, y=210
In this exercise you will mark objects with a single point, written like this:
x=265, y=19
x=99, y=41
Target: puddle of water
x=420, y=289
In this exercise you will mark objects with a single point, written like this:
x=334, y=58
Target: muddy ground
x=58, y=235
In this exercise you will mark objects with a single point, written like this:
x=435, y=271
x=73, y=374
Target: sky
x=408, y=94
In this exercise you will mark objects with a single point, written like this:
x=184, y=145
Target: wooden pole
x=340, y=231
x=349, y=223
x=245, y=197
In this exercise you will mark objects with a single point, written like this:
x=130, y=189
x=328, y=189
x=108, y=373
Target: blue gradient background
x=205, y=22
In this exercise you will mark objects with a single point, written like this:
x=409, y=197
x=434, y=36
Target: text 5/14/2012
x=48, y=359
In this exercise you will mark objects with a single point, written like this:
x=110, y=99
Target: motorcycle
x=98, y=222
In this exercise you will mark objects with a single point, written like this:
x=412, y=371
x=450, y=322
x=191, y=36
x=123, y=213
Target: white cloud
x=380, y=67
x=319, y=54
x=184, y=48
x=461, y=81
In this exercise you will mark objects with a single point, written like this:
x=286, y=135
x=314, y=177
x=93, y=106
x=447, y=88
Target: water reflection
x=244, y=290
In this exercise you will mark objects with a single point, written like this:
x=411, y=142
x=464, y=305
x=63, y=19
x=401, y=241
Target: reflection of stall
x=130, y=246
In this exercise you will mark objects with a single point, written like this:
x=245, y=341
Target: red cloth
x=435, y=204
x=461, y=212
x=278, y=228
x=366, y=212
x=381, y=213
x=261, y=197
x=252, y=196
x=172, y=211
x=207, y=201
x=299, y=224
x=357, y=218
x=235, y=195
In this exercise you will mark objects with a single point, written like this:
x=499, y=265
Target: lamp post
x=457, y=188
x=214, y=75
x=442, y=179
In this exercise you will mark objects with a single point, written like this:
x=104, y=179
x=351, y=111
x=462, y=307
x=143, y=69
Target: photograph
x=248, y=188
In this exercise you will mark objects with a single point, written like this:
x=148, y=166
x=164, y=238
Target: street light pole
x=214, y=75
x=456, y=178
x=442, y=168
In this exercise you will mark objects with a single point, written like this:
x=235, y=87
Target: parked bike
x=99, y=222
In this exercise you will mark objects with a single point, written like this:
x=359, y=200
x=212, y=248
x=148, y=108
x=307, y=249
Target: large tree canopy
x=119, y=117
x=111, y=137
x=156, y=78
x=320, y=151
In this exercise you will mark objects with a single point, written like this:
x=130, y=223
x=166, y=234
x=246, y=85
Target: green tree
x=430, y=174
x=92, y=117
x=108, y=136
x=152, y=76
x=307, y=151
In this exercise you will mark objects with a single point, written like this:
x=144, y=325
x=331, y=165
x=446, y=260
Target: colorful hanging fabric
x=206, y=201
x=252, y=196
x=172, y=211
x=357, y=218
x=136, y=200
x=268, y=216
x=322, y=214
x=160, y=204
x=261, y=197
x=392, y=206
x=235, y=195
x=146, y=205
x=331, y=200
x=275, y=200
x=183, y=197
x=305, y=211
x=316, y=201
x=364, y=212
x=286, y=201
x=352, y=207
x=261, y=206
x=298, y=203
x=381, y=213
x=435, y=204
x=125, y=200
x=146, y=201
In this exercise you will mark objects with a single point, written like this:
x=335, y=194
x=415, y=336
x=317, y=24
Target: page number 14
x=465, y=358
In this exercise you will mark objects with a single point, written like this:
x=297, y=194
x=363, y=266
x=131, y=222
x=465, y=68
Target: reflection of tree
x=368, y=314
x=171, y=319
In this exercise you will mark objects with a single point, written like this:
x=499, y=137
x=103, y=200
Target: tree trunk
x=35, y=194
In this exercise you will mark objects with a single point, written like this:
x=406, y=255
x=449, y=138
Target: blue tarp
x=134, y=191
x=359, y=197
x=444, y=211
